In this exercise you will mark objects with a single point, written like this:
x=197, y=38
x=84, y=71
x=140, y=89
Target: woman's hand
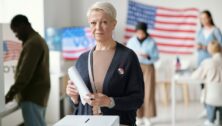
x=71, y=90
x=144, y=55
x=200, y=46
x=141, y=54
x=98, y=99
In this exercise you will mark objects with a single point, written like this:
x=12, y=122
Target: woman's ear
x=114, y=23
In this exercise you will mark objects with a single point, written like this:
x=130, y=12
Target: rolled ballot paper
x=81, y=86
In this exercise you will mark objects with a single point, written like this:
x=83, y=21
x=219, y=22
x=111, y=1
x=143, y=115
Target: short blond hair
x=107, y=7
x=214, y=47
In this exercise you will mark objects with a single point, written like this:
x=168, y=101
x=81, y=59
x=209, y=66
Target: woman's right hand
x=199, y=46
x=71, y=90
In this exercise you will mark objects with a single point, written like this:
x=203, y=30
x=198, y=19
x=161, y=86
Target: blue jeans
x=211, y=113
x=33, y=114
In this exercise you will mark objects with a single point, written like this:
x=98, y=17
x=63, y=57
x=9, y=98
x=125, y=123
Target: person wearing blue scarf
x=146, y=49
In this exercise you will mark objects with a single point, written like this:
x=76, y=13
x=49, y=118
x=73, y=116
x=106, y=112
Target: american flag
x=75, y=41
x=11, y=50
x=174, y=30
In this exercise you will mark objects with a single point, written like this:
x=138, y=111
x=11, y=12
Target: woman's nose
x=98, y=25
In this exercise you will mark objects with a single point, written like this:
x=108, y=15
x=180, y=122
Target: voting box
x=77, y=120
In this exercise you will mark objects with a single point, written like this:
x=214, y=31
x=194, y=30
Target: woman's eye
x=105, y=22
x=92, y=23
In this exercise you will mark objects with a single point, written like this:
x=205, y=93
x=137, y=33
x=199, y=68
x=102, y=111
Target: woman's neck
x=208, y=27
x=105, y=45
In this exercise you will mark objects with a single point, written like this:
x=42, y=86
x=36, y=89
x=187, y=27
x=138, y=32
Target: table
x=180, y=77
x=8, y=109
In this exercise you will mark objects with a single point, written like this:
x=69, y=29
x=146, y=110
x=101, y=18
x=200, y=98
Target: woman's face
x=140, y=34
x=205, y=20
x=101, y=25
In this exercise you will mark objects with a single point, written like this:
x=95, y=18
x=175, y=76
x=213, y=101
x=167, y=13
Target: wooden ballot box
x=76, y=120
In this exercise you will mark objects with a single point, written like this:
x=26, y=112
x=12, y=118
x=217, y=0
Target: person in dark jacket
x=32, y=79
x=110, y=70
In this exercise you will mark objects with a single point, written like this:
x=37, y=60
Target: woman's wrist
x=75, y=100
x=111, y=102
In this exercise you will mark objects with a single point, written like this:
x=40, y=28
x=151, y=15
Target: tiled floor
x=185, y=115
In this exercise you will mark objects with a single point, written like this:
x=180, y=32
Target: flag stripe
x=173, y=41
x=163, y=11
x=171, y=48
x=11, y=50
x=161, y=29
x=173, y=29
x=169, y=37
x=175, y=52
x=177, y=16
x=76, y=50
x=175, y=45
x=173, y=34
x=71, y=58
x=174, y=19
x=75, y=41
x=177, y=23
x=178, y=10
x=164, y=33
x=173, y=26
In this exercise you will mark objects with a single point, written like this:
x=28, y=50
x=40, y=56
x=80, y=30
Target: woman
x=110, y=71
x=210, y=71
x=207, y=33
x=147, y=52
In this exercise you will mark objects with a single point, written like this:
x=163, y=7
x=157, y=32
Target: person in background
x=146, y=49
x=206, y=34
x=110, y=71
x=210, y=70
x=32, y=79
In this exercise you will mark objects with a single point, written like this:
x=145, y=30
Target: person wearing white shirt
x=210, y=71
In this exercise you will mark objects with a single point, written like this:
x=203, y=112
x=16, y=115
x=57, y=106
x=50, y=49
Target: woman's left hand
x=144, y=55
x=98, y=100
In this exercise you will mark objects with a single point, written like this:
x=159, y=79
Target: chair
x=213, y=93
x=164, y=73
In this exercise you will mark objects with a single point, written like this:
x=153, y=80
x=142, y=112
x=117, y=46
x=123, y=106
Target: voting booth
x=2, y=102
x=76, y=120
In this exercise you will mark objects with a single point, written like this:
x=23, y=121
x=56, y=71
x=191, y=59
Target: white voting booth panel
x=73, y=120
x=2, y=102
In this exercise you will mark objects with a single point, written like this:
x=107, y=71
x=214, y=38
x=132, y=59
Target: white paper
x=77, y=80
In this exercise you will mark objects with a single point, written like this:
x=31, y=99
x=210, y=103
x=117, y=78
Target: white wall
x=64, y=13
x=33, y=9
x=57, y=13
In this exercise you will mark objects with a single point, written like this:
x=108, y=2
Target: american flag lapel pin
x=121, y=71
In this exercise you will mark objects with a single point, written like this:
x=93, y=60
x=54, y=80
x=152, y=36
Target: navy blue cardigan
x=127, y=89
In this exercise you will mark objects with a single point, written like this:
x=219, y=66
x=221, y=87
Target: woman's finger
x=87, y=100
